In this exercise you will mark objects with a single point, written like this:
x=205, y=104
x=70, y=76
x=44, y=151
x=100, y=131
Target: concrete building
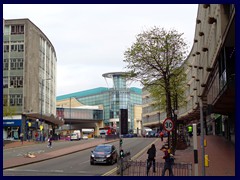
x=29, y=80
x=210, y=69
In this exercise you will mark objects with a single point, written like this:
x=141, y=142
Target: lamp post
x=41, y=120
x=159, y=122
x=70, y=115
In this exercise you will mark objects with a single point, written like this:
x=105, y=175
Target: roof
x=93, y=92
x=83, y=93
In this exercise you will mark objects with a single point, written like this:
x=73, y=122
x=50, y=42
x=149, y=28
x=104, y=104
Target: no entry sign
x=168, y=124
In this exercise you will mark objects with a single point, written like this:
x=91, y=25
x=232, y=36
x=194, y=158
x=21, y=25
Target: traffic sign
x=168, y=125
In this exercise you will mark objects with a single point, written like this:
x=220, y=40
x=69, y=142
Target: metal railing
x=139, y=168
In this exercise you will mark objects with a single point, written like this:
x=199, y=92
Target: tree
x=7, y=109
x=156, y=59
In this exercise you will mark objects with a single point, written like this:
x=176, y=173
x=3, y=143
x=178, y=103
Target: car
x=85, y=137
x=104, y=154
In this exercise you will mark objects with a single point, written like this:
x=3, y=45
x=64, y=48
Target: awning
x=49, y=118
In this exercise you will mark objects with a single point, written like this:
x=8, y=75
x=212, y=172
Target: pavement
x=221, y=155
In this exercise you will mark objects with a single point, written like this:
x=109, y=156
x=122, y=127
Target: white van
x=76, y=135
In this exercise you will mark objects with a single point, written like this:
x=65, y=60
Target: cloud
x=90, y=39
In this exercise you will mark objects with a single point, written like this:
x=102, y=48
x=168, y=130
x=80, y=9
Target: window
x=6, y=48
x=13, y=47
x=5, y=82
x=16, y=99
x=17, y=29
x=5, y=64
x=6, y=30
x=20, y=48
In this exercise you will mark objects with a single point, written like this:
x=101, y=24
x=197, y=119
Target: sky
x=90, y=39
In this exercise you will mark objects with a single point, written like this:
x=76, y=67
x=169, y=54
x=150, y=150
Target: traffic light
x=121, y=142
x=121, y=153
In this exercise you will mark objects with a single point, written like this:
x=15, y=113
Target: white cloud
x=90, y=39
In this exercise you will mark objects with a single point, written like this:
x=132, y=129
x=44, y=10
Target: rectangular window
x=20, y=48
x=6, y=30
x=13, y=30
x=5, y=82
x=6, y=48
x=5, y=65
x=13, y=47
x=17, y=29
x=13, y=64
x=12, y=100
x=19, y=81
x=20, y=61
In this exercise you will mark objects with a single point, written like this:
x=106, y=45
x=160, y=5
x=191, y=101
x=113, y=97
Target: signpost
x=168, y=125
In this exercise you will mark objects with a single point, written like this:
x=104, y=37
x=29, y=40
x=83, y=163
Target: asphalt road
x=76, y=164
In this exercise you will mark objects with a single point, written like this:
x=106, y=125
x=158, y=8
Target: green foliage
x=156, y=59
x=8, y=110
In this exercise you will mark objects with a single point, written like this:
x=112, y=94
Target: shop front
x=11, y=129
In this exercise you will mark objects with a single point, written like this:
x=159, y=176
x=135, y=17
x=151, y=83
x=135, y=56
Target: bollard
x=206, y=161
x=205, y=143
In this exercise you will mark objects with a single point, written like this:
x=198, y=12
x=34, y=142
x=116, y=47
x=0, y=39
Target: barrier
x=138, y=168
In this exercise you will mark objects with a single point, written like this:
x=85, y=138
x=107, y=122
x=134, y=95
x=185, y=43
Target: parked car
x=104, y=153
x=151, y=134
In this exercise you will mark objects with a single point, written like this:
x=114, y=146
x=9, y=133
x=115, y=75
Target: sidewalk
x=220, y=151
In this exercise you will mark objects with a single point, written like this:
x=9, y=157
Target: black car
x=104, y=153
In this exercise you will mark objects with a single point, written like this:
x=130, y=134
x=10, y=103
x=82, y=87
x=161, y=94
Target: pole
x=70, y=114
x=120, y=146
x=41, y=120
x=202, y=136
x=159, y=122
x=41, y=135
x=195, y=150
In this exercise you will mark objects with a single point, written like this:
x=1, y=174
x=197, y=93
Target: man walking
x=168, y=162
x=151, y=158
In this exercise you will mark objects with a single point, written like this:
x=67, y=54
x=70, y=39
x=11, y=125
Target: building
x=210, y=69
x=29, y=80
x=112, y=100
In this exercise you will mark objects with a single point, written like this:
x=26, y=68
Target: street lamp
x=41, y=120
x=159, y=122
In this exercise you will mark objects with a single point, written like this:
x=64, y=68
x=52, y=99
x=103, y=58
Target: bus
x=107, y=130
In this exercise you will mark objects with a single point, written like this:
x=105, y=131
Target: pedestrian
x=190, y=130
x=168, y=161
x=151, y=158
x=36, y=136
x=161, y=135
x=50, y=142
x=21, y=137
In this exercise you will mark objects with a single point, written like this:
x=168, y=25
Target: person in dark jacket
x=151, y=158
x=168, y=163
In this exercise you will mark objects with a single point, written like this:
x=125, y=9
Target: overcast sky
x=90, y=40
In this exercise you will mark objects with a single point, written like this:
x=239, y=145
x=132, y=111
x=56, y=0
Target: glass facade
x=112, y=99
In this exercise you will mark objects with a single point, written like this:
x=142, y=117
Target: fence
x=139, y=168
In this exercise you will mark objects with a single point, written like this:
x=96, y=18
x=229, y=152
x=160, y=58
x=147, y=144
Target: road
x=76, y=164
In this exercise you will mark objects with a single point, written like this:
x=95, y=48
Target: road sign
x=168, y=125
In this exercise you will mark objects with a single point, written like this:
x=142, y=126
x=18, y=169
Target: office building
x=29, y=80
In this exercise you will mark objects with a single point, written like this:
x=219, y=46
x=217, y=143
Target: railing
x=139, y=168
